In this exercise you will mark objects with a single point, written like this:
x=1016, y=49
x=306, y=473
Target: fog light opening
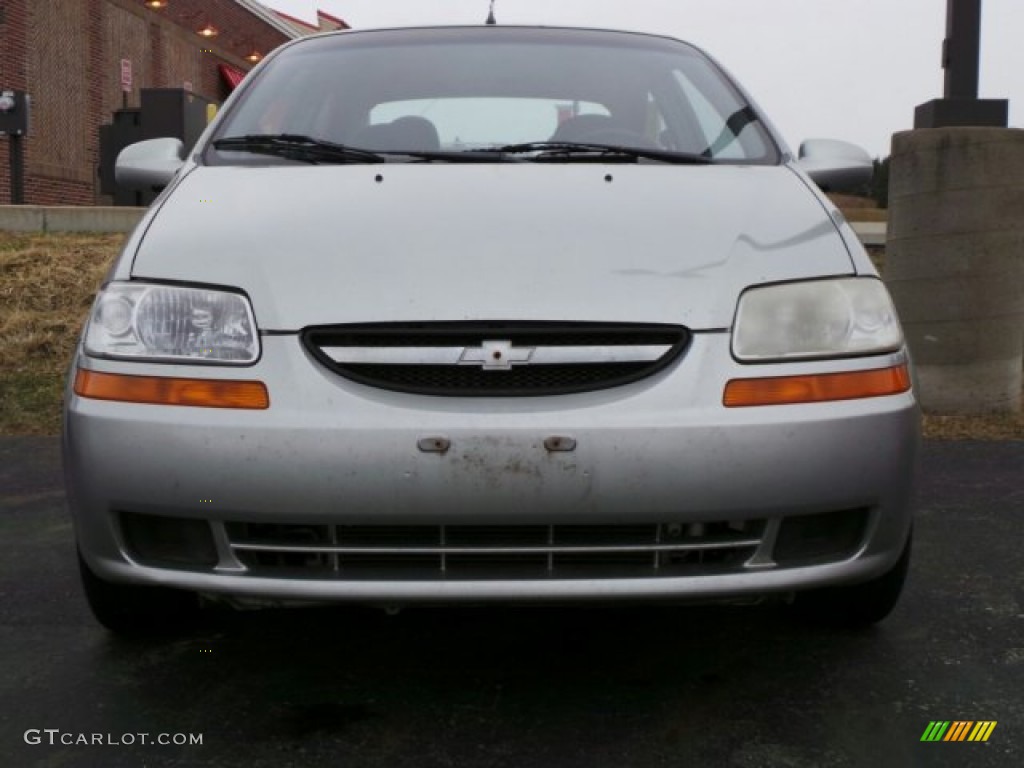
x=174, y=541
x=820, y=538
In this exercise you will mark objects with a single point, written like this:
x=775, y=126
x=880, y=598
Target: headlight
x=163, y=322
x=815, y=319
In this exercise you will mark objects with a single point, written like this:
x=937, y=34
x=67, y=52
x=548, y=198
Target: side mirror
x=150, y=163
x=835, y=166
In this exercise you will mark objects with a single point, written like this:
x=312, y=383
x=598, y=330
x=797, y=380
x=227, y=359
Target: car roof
x=523, y=32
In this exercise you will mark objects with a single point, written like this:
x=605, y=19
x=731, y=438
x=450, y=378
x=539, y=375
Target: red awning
x=231, y=75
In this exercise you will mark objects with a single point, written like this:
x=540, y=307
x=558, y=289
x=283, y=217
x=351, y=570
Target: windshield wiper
x=557, y=150
x=297, y=147
x=732, y=129
x=451, y=155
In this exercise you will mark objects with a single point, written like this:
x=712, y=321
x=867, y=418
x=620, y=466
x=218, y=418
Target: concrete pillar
x=955, y=263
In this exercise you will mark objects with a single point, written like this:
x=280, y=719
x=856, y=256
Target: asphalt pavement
x=730, y=686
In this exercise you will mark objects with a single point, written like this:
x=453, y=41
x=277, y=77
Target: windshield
x=474, y=89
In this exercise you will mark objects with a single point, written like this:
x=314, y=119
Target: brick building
x=67, y=55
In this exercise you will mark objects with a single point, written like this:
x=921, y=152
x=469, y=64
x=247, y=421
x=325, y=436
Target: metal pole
x=961, y=53
x=17, y=152
x=961, y=50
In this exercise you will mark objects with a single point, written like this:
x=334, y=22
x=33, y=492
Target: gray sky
x=845, y=69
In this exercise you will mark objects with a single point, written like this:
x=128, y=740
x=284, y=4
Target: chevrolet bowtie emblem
x=496, y=355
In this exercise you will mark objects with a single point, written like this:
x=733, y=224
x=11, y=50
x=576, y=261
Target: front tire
x=859, y=605
x=130, y=609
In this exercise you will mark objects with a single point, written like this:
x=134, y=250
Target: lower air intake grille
x=494, y=552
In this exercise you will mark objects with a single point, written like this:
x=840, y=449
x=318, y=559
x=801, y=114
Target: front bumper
x=330, y=453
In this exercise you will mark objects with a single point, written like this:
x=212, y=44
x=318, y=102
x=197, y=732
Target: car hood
x=314, y=245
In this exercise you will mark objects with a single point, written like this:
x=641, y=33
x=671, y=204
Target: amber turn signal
x=817, y=388
x=158, y=390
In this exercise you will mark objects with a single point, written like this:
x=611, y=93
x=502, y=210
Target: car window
x=468, y=89
x=712, y=119
x=474, y=122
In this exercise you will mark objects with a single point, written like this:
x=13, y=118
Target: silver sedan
x=490, y=314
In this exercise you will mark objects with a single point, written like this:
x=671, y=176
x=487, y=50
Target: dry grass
x=46, y=287
x=865, y=214
x=859, y=208
x=851, y=201
x=996, y=426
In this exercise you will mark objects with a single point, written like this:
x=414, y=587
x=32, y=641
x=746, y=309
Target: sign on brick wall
x=126, y=75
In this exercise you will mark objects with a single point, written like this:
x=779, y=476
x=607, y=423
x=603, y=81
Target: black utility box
x=13, y=112
x=164, y=113
x=173, y=112
x=126, y=129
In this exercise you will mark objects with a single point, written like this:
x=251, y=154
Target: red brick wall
x=72, y=72
x=126, y=34
x=240, y=31
x=43, y=190
x=13, y=41
x=94, y=84
x=58, y=139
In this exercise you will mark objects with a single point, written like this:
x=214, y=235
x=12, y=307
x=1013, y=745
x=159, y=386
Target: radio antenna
x=490, y=16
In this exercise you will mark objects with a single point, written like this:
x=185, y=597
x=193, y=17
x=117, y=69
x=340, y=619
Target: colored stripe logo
x=959, y=730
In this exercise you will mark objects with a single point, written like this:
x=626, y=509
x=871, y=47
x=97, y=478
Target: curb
x=82, y=218
x=69, y=218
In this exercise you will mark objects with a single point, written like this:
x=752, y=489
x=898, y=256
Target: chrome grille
x=496, y=359
x=319, y=551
